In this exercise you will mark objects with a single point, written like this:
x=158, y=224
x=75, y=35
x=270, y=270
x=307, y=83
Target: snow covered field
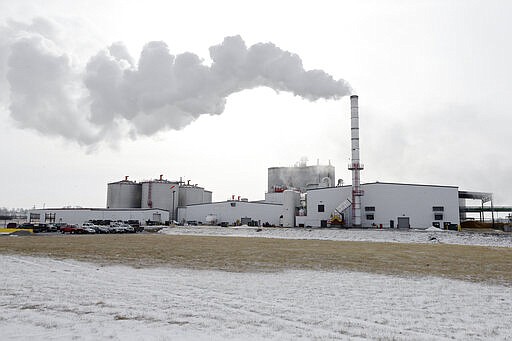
x=48, y=299
x=367, y=235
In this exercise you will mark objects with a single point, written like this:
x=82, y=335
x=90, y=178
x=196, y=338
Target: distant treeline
x=10, y=213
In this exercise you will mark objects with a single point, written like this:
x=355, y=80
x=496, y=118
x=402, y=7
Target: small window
x=369, y=208
x=233, y=204
x=370, y=217
x=438, y=217
x=321, y=208
x=49, y=217
x=438, y=208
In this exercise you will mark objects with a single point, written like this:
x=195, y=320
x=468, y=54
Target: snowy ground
x=49, y=299
x=370, y=235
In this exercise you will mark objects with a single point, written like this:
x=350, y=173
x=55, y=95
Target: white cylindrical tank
x=159, y=194
x=290, y=202
x=207, y=197
x=190, y=195
x=124, y=194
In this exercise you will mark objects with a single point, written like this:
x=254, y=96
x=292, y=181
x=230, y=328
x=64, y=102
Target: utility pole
x=171, y=215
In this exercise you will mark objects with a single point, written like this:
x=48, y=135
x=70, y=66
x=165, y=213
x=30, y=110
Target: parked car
x=52, y=228
x=72, y=229
x=123, y=228
x=89, y=227
x=102, y=229
x=87, y=224
x=88, y=230
x=41, y=227
x=129, y=229
x=136, y=225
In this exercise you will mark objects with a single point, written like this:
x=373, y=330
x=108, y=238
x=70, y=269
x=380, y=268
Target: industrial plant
x=297, y=196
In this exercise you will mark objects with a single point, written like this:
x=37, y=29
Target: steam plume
x=159, y=92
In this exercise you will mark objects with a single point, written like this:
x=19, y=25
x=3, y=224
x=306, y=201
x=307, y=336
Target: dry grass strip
x=472, y=263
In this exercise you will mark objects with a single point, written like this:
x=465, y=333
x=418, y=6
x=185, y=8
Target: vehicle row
x=90, y=228
x=86, y=228
x=38, y=227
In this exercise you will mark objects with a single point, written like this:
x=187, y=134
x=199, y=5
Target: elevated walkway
x=484, y=197
x=477, y=209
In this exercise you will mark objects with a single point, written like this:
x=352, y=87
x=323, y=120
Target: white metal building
x=232, y=211
x=154, y=200
x=81, y=215
x=389, y=205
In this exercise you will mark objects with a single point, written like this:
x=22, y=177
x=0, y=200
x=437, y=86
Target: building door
x=323, y=223
x=392, y=224
x=157, y=217
x=403, y=223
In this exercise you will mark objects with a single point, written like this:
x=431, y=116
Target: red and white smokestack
x=355, y=165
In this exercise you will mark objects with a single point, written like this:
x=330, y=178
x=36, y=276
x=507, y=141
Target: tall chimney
x=355, y=165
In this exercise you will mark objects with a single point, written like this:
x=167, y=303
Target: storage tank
x=190, y=195
x=158, y=193
x=207, y=197
x=290, y=202
x=300, y=177
x=124, y=194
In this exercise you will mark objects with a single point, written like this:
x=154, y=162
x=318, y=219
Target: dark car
x=40, y=228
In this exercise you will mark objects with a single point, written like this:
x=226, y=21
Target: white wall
x=274, y=197
x=81, y=215
x=231, y=211
x=390, y=201
x=330, y=198
x=414, y=201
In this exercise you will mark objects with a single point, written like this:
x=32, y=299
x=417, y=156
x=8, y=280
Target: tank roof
x=124, y=182
x=309, y=166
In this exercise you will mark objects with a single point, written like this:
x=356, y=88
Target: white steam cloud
x=49, y=93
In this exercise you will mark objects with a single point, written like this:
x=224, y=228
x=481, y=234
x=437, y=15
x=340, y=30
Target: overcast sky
x=92, y=91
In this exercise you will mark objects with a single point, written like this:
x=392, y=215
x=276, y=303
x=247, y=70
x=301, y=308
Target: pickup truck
x=74, y=229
